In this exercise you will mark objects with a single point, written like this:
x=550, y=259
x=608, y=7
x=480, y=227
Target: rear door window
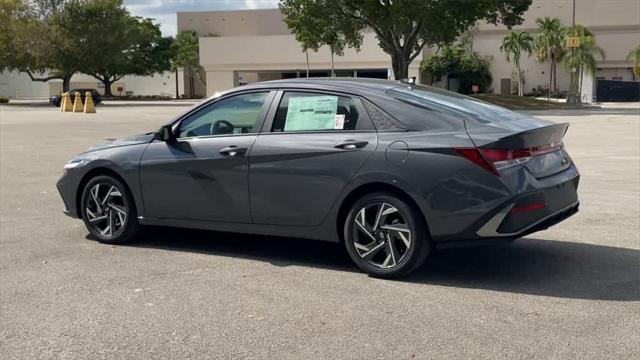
x=306, y=111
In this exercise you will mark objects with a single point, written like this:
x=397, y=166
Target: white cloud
x=260, y=4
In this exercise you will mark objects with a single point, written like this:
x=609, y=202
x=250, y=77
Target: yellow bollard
x=89, y=107
x=77, y=102
x=63, y=101
x=66, y=103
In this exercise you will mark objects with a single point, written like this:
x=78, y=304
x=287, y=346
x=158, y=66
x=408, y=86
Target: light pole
x=572, y=98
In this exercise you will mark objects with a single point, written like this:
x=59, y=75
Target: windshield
x=435, y=99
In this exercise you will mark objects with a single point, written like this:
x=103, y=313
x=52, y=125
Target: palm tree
x=513, y=45
x=549, y=46
x=582, y=58
x=634, y=56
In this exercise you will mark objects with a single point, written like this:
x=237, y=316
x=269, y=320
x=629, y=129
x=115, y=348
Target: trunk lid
x=531, y=143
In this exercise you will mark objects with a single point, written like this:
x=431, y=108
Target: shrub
x=4, y=100
x=458, y=62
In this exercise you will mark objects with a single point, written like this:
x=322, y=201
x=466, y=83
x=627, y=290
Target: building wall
x=257, y=44
x=615, y=24
x=281, y=52
x=233, y=23
x=156, y=84
x=616, y=44
x=16, y=85
x=258, y=40
x=536, y=75
x=615, y=74
x=591, y=13
x=19, y=86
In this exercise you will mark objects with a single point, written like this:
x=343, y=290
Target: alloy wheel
x=106, y=209
x=381, y=235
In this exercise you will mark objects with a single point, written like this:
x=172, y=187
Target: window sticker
x=311, y=113
x=338, y=123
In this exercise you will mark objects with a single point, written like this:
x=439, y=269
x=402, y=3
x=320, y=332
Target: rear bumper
x=532, y=211
x=543, y=224
x=520, y=215
x=491, y=228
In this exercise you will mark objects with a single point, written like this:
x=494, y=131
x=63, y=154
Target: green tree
x=114, y=43
x=582, y=59
x=106, y=41
x=186, y=56
x=513, y=45
x=634, y=55
x=32, y=43
x=442, y=63
x=63, y=37
x=459, y=61
x=314, y=26
x=119, y=44
x=404, y=27
x=549, y=46
x=13, y=15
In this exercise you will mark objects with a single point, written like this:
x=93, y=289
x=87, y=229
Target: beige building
x=18, y=85
x=615, y=24
x=244, y=46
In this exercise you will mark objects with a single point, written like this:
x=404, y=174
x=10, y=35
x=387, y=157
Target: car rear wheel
x=108, y=210
x=385, y=236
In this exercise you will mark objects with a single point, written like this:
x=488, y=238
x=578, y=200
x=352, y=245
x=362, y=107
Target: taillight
x=473, y=155
x=497, y=159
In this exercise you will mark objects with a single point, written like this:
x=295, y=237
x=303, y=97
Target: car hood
x=131, y=140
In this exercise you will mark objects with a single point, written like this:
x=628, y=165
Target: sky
x=164, y=11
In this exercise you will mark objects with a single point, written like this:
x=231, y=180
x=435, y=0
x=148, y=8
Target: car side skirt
x=319, y=232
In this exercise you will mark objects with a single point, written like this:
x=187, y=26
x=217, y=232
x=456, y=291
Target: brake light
x=496, y=159
x=529, y=207
x=473, y=155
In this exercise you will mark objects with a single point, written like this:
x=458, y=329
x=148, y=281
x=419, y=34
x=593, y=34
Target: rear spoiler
x=533, y=138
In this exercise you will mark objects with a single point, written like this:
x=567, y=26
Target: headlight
x=74, y=163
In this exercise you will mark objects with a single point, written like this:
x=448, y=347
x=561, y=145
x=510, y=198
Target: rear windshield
x=442, y=101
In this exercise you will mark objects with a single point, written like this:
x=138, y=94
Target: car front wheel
x=108, y=210
x=385, y=236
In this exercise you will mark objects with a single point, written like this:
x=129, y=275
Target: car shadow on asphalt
x=527, y=266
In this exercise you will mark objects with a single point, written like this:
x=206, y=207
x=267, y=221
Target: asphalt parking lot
x=572, y=291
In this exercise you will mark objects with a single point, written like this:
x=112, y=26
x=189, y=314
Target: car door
x=202, y=174
x=306, y=154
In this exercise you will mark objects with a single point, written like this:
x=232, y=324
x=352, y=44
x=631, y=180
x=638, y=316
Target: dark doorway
x=505, y=86
x=617, y=91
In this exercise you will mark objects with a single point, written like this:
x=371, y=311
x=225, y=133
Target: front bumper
x=67, y=187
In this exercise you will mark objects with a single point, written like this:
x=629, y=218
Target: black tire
x=400, y=215
x=117, y=200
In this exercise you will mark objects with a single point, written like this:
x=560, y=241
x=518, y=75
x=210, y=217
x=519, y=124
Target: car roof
x=350, y=85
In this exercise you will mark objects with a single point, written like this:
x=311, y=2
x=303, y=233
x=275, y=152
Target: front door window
x=235, y=115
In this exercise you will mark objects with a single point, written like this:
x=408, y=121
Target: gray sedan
x=390, y=169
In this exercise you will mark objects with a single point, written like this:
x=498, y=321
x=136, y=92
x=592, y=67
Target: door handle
x=232, y=151
x=351, y=144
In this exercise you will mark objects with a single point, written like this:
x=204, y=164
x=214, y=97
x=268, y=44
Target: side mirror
x=166, y=133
